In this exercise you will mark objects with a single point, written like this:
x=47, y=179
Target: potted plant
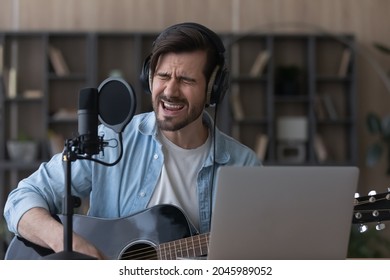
x=370, y=244
x=22, y=149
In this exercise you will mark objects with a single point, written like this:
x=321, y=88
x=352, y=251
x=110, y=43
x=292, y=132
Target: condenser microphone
x=89, y=143
x=113, y=104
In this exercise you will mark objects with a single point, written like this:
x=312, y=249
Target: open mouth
x=170, y=106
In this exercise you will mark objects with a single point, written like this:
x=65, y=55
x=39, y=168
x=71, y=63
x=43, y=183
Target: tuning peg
x=357, y=195
x=363, y=228
x=372, y=194
x=355, y=200
x=358, y=215
x=380, y=226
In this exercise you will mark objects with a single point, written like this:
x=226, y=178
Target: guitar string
x=152, y=253
x=370, y=210
x=164, y=251
x=367, y=202
x=364, y=202
x=168, y=250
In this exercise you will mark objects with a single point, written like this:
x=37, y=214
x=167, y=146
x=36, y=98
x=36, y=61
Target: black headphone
x=219, y=79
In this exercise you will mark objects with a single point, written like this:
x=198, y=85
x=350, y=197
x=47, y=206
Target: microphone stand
x=68, y=156
x=85, y=145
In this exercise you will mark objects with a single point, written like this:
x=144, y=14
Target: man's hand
x=39, y=227
x=82, y=246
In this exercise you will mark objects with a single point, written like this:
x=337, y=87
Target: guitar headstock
x=372, y=208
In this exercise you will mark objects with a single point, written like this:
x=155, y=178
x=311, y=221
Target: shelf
x=13, y=165
x=306, y=75
x=19, y=99
x=260, y=65
x=69, y=77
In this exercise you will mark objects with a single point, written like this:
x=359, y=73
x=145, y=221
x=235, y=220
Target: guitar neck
x=190, y=247
x=372, y=208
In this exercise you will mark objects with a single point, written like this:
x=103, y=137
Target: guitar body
x=133, y=237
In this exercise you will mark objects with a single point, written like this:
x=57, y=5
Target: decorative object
x=292, y=136
x=288, y=80
x=22, y=150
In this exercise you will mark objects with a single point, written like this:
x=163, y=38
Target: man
x=171, y=155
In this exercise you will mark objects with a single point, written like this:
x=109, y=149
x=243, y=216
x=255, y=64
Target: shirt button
x=155, y=156
x=142, y=194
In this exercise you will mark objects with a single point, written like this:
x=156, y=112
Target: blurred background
x=336, y=51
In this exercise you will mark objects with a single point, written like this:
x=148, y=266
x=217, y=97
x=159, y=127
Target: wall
x=367, y=19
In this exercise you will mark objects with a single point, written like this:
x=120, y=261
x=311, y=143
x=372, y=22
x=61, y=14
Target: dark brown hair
x=181, y=39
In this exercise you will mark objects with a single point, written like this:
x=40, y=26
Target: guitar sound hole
x=139, y=251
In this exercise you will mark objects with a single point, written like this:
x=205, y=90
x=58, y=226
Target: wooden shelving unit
x=325, y=75
x=44, y=101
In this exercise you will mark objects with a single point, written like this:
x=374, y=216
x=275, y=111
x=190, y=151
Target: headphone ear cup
x=219, y=86
x=145, y=76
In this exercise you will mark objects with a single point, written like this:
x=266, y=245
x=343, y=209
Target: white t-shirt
x=177, y=184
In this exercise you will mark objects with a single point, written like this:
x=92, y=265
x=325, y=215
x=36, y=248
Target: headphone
x=219, y=80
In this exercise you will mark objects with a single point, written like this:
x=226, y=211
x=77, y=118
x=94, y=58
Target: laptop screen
x=283, y=212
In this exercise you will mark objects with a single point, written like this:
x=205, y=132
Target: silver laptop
x=295, y=212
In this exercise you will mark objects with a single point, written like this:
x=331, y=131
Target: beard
x=172, y=123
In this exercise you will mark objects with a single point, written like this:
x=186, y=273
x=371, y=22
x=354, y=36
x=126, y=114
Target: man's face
x=179, y=89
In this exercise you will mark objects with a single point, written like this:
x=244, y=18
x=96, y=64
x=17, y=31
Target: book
x=238, y=110
x=320, y=149
x=12, y=83
x=261, y=146
x=1, y=60
x=58, y=61
x=319, y=108
x=344, y=62
x=5, y=80
x=330, y=107
x=259, y=64
x=32, y=94
x=64, y=114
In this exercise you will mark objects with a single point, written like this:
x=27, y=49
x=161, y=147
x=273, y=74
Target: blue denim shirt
x=125, y=188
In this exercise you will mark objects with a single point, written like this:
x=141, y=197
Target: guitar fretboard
x=190, y=247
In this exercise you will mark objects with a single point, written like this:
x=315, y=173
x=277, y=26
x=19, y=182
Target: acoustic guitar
x=160, y=232
x=163, y=232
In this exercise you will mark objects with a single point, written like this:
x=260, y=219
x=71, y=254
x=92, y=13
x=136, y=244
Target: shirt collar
x=148, y=126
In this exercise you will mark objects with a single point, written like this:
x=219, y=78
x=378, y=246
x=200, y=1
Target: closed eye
x=163, y=76
x=187, y=80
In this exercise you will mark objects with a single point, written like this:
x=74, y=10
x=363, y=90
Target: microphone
x=113, y=104
x=89, y=142
x=117, y=103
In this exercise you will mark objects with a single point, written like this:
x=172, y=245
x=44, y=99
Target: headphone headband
x=211, y=35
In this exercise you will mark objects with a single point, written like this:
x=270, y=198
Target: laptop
x=283, y=212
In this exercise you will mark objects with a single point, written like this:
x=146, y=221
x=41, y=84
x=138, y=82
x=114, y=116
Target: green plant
x=23, y=137
x=370, y=244
x=381, y=128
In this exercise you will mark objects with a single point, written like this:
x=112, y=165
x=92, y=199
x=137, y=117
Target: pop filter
x=117, y=103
